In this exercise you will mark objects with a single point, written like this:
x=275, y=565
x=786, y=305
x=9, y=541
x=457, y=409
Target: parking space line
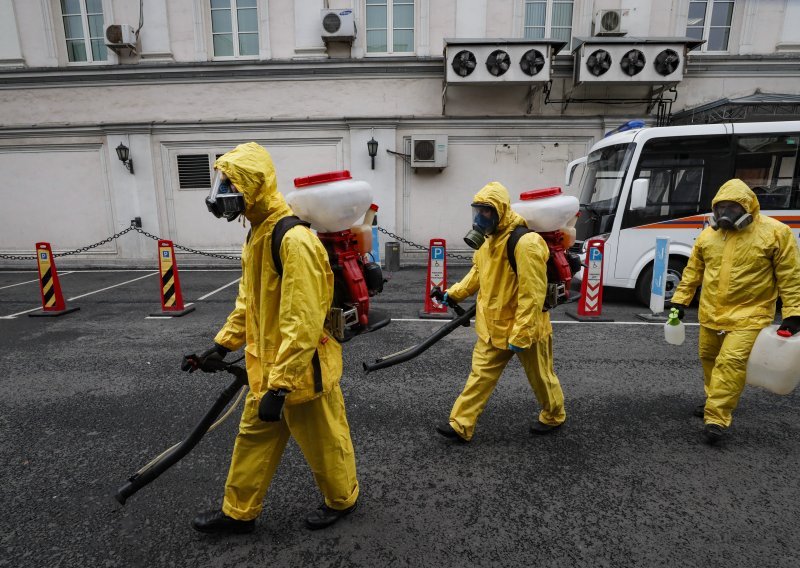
x=439, y=321
x=110, y=287
x=218, y=289
x=32, y=281
x=12, y=316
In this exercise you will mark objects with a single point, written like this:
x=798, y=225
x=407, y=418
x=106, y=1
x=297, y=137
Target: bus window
x=601, y=185
x=769, y=165
x=684, y=175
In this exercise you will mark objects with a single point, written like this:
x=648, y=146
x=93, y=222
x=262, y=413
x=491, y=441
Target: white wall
x=61, y=125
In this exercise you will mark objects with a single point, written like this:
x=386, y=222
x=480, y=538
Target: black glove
x=437, y=294
x=209, y=361
x=217, y=352
x=271, y=407
x=681, y=310
x=790, y=324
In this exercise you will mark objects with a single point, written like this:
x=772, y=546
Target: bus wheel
x=645, y=281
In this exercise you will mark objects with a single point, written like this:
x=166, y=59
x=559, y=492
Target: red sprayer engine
x=333, y=203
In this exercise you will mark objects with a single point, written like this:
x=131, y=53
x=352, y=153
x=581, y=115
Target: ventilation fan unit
x=120, y=36
x=608, y=23
x=429, y=151
x=632, y=60
x=338, y=25
x=498, y=61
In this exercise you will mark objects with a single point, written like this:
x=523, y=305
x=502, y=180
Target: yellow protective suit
x=742, y=273
x=509, y=311
x=280, y=323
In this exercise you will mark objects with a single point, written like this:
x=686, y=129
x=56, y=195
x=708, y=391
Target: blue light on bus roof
x=630, y=125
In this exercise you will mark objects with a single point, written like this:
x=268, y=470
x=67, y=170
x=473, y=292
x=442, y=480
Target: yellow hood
x=496, y=195
x=250, y=168
x=736, y=190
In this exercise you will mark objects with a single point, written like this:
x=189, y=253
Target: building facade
x=179, y=82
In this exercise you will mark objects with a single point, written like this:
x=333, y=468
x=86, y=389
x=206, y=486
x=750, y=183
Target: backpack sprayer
x=331, y=203
x=547, y=212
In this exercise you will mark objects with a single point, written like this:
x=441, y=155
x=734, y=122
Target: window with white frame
x=390, y=26
x=548, y=19
x=711, y=20
x=84, y=30
x=234, y=28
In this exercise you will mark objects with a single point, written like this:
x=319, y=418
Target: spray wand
x=174, y=454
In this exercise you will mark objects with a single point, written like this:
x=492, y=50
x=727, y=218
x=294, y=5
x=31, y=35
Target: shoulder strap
x=281, y=227
x=511, y=245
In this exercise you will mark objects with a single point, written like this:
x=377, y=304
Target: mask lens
x=484, y=218
x=727, y=213
x=223, y=200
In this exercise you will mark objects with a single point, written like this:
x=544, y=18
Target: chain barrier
x=141, y=231
x=133, y=227
x=421, y=247
x=187, y=249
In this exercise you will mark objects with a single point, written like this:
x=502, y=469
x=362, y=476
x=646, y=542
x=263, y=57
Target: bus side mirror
x=639, y=194
x=571, y=170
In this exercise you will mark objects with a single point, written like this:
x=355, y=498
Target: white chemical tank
x=331, y=201
x=774, y=362
x=547, y=209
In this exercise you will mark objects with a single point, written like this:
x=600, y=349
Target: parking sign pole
x=437, y=276
x=590, y=306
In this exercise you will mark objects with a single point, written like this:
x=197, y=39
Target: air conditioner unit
x=487, y=62
x=608, y=22
x=338, y=25
x=632, y=60
x=120, y=35
x=429, y=151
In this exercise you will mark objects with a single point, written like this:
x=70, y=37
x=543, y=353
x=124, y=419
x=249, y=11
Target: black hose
x=411, y=352
x=142, y=478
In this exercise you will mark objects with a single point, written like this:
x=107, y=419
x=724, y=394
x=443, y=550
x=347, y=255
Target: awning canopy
x=758, y=107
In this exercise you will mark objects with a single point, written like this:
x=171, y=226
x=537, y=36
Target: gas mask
x=730, y=216
x=224, y=200
x=484, y=223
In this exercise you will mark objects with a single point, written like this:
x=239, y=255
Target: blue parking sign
x=437, y=253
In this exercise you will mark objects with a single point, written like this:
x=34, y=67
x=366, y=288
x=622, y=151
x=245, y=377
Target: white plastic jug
x=547, y=209
x=774, y=362
x=674, y=330
x=331, y=202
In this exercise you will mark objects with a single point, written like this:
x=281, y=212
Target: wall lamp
x=372, y=148
x=123, y=153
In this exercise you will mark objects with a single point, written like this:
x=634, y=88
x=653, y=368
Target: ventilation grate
x=194, y=171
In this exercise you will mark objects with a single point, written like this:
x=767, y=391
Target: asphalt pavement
x=88, y=398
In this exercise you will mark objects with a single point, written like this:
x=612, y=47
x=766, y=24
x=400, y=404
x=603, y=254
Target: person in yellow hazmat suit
x=743, y=261
x=293, y=364
x=509, y=318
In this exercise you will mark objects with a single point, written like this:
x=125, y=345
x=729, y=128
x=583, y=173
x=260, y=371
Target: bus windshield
x=603, y=177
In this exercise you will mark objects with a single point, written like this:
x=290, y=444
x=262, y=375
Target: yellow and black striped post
x=52, y=299
x=171, y=297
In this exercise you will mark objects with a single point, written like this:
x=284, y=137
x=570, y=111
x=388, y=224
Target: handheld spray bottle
x=674, y=330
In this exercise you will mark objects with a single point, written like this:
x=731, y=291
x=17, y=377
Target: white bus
x=672, y=173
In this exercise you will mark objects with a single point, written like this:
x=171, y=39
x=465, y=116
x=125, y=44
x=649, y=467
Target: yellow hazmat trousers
x=742, y=273
x=280, y=323
x=509, y=311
